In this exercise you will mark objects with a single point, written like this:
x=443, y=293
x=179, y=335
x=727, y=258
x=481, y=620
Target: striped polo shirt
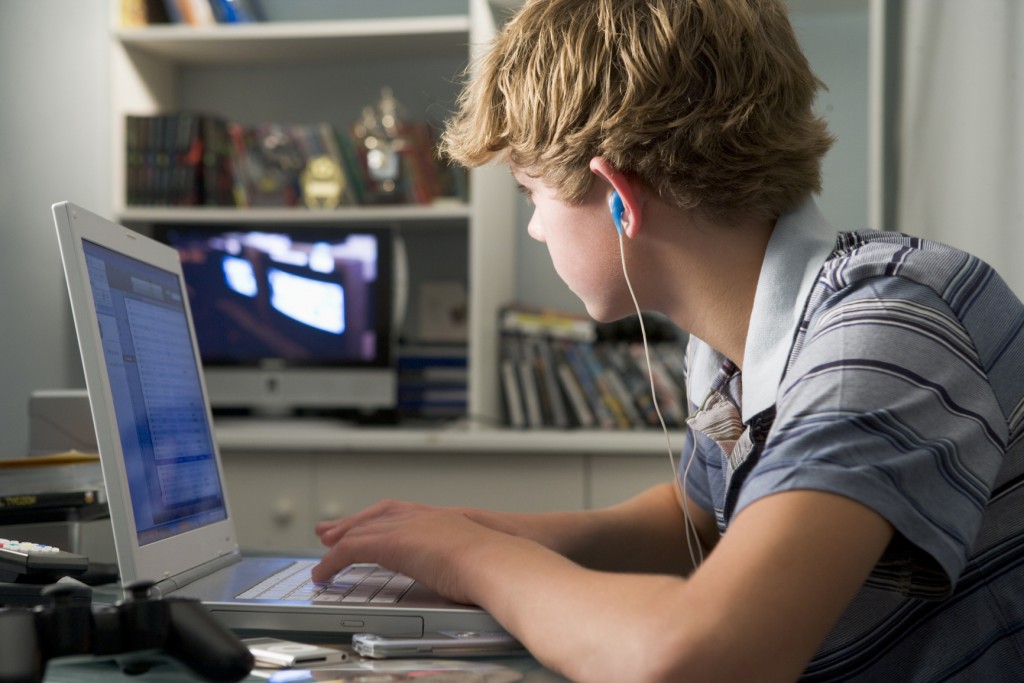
x=890, y=370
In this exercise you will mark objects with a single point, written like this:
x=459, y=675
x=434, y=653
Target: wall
x=54, y=145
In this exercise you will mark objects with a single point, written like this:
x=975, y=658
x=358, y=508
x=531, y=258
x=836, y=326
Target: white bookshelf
x=299, y=41
x=454, y=211
x=247, y=70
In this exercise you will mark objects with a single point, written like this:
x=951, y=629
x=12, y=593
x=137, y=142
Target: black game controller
x=137, y=632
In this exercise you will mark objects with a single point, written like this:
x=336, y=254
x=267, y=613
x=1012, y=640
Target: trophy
x=323, y=181
x=380, y=146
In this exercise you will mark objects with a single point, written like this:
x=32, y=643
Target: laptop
x=169, y=509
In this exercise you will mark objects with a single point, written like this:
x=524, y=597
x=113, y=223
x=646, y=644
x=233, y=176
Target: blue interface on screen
x=155, y=384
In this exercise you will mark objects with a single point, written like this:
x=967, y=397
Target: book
x=234, y=11
x=528, y=384
x=515, y=412
x=602, y=413
x=420, y=164
x=217, y=179
x=544, y=361
x=606, y=392
x=188, y=159
x=350, y=162
x=139, y=13
x=616, y=385
x=555, y=324
x=636, y=382
x=588, y=375
x=196, y=12
x=581, y=412
x=433, y=381
x=173, y=10
x=178, y=159
x=669, y=394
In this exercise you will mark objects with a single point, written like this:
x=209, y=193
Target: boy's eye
x=525, y=191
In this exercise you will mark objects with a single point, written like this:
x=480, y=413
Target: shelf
x=323, y=70
x=325, y=436
x=301, y=42
x=447, y=213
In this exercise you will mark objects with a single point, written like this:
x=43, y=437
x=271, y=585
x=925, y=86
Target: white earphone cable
x=692, y=538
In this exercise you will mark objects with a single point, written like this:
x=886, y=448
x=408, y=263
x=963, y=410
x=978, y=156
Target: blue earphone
x=616, y=207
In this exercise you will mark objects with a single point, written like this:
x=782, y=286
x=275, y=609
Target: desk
x=88, y=671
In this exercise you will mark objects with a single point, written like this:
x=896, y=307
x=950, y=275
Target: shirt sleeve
x=886, y=403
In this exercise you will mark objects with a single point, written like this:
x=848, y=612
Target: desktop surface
x=491, y=670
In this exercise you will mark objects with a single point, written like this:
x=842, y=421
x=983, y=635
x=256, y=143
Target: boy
x=849, y=501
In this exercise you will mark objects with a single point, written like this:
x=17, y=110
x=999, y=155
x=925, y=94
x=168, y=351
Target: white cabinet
x=271, y=499
x=283, y=478
x=518, y=482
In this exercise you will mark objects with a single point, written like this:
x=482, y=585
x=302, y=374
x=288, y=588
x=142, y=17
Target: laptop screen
x=169, y=457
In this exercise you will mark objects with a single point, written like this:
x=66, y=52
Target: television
x=292, y=319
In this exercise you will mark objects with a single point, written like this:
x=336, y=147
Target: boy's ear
x=615, y=181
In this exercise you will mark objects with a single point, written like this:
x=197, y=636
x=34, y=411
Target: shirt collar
x=798, y=247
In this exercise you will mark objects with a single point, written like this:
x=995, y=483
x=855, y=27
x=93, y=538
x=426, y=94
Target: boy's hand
x=434, y=545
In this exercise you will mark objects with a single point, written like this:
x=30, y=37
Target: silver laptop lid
x=164, y=480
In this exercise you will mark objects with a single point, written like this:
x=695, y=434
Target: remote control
x=32, y=562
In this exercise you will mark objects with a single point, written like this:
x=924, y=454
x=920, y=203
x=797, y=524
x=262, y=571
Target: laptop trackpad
x=232, y=580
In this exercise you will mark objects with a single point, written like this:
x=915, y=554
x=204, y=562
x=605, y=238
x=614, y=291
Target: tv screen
x=280, y=301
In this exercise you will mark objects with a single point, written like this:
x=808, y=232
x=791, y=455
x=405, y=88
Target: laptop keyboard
x=355, y=584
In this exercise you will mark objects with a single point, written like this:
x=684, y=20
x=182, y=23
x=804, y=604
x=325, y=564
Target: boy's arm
x=756, y=610
x=645, y=533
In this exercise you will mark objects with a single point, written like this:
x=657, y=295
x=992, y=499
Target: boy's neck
x=717, y=280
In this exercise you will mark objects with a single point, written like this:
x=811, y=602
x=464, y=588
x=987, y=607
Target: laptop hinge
x=179, y=581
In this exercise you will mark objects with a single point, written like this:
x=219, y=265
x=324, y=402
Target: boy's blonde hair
x=707, y=102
